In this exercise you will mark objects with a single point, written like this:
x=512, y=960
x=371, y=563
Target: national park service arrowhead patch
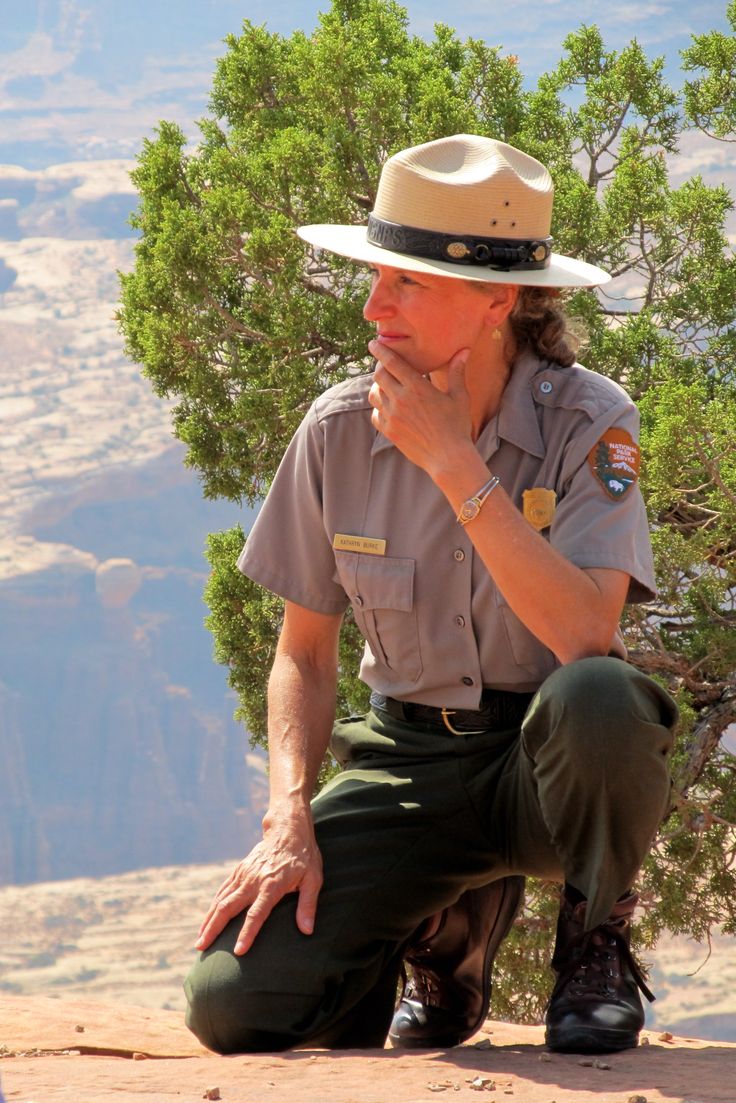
x=615, y=462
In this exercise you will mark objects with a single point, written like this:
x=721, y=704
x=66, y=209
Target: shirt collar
x=517, y=415
x=516, y=420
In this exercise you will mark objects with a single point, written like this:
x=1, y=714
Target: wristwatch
x=470, y=509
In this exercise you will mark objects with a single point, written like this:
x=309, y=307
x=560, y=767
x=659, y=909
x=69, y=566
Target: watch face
x=469, y=510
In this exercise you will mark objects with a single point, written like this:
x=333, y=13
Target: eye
x=403, y=278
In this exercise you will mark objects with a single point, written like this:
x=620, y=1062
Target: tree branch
x=705, y=739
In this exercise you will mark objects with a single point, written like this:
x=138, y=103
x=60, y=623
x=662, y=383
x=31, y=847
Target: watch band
x=470, y=509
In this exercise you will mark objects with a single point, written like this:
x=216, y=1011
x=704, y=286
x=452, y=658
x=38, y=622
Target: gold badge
x=615, y=462
x=368, y=545
x=539, y=507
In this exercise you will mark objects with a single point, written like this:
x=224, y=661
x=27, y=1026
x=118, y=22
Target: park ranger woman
x=475, y=501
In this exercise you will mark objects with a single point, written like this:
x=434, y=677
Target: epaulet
x=578, y=388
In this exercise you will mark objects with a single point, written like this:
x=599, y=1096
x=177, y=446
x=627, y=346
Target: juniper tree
x=240, y=323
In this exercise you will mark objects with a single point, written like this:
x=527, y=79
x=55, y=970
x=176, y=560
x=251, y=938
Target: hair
x=539, y=322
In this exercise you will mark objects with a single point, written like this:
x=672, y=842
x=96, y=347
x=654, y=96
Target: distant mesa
x=116, y=581
x=77, y=200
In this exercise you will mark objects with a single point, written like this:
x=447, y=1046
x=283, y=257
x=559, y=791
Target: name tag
x=369, y=545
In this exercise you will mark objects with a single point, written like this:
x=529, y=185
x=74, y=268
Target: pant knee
x=228, y=1016
x=208, y=1006
x=603, y=700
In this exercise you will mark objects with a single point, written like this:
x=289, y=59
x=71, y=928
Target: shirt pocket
x=381, y=592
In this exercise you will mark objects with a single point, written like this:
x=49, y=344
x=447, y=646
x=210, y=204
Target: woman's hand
x=426, y=423
x=286, y=860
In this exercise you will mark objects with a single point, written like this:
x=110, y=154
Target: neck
x=486, y=374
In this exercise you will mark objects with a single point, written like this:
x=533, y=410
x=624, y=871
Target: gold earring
x=496, y=334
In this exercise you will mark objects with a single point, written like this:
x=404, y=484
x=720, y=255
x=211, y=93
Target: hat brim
x=351, y=241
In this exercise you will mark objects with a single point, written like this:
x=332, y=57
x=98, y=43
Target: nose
x=379, y=303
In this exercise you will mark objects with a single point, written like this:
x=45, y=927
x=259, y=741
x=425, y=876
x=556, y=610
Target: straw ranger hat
x=464, y=206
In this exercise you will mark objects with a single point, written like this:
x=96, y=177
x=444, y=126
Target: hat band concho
x=499, y=254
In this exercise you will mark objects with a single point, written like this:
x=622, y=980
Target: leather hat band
x=500, y=254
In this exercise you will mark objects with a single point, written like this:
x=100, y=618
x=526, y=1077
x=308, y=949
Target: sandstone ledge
x=139, y=1054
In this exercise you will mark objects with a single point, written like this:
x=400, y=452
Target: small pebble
x=139, y=1057
x=545, y=1058
x=484, y=1043
x=644, y=1042
x=212, y=1093
x=482, y=1084
x=79, y=1028
x=637, y=1099
x=665, y=1036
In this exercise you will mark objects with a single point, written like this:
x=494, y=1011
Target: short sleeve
x=600, y=520
x=288, y=550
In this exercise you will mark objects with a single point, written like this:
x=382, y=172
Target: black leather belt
x=499, y=709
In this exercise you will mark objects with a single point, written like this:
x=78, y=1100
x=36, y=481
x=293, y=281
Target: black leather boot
x=447, y=998
x=595, y=1005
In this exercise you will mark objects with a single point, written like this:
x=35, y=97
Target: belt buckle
x=451, y=712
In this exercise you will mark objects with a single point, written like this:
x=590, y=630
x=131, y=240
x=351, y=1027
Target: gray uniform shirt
x=436, y=627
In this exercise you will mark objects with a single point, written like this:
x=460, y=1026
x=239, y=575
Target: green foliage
x=521, y=975
x=245, y=622
x=239, y=322
x=710, y=99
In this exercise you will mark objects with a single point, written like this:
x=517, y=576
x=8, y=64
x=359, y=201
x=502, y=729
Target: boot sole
x=511, y=901
x=581, y=1040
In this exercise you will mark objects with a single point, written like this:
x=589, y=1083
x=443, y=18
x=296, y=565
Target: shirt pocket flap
x=376, y=582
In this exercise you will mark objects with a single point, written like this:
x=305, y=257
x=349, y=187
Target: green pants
x=417, y=816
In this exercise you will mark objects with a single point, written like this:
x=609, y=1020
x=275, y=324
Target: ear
x=501, y=301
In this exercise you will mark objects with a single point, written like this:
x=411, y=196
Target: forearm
x=556, y=600
x=301, y=709
x=301, y=713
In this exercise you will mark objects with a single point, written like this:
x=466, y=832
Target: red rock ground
x=133, y=1054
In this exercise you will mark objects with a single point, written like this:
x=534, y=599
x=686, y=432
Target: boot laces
x=598, y=961
x=422, y=985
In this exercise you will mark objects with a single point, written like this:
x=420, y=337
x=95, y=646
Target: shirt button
x=358, y=600
x=460, y=621
x=458, y=554
x=467, y=681
x=545, y=387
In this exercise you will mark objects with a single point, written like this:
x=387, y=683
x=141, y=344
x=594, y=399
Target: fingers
x=256, y=885
x=456, y=374
x=393, y=379
x=267, y=900
x=390, y=367
x=222, y=910
x=393, y=372
x=222, y=893
x=258, y=913
x=306, y=909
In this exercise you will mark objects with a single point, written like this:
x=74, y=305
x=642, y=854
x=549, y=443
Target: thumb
x=456, y=373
